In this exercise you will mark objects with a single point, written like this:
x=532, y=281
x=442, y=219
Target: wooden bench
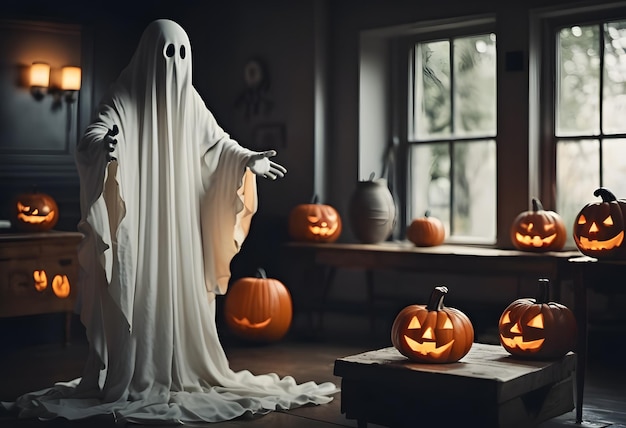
x=486, y=388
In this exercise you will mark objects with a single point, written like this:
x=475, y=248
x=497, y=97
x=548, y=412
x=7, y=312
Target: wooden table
x=444, y=259
x=486, y=388
x=591, y=274
x=23, y=254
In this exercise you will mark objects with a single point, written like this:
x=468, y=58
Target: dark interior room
x=469, y=150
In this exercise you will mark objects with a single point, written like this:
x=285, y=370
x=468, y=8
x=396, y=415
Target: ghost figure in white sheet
x=166, y=202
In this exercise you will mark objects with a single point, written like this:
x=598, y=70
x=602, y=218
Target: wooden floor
x=30, y=367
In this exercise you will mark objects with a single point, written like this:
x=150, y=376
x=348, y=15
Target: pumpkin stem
x=372, y=176
x=427, y=213
x=605, y=194
x=543, y=291
x=260, y=273
x=314, y=199
x=436, y=298
x=537, y=206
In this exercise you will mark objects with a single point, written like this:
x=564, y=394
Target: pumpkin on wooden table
x=432, y=333
x=426, y=231
x=599, y=227
x=538, y=230
x=258, y=308
x=35, y=211
x=535, y=328
x=314, y=222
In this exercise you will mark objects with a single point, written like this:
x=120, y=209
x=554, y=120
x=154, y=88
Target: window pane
x=475, y=189
x=614, y=91
x=578, y=67
x=578, y=176
x=432, y=89
x=430, y=181
x=614, y=166
x=475, y=85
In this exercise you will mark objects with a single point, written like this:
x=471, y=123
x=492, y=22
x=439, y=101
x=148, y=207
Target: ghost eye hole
x=170, y=50
x=183, y=52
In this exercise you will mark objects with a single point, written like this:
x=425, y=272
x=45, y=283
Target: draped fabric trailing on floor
x=162, y=222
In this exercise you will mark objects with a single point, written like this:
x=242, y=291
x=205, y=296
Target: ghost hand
x=261, y=165
x=110, y=143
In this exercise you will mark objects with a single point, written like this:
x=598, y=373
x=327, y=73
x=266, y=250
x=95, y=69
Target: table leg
x=580, y=311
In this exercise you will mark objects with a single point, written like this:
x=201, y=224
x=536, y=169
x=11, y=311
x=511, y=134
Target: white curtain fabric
x=161, y=226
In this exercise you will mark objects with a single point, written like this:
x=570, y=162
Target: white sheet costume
x=161, y=226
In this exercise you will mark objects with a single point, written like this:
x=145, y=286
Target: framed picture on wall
x=269, y=136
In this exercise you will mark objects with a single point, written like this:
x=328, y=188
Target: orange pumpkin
x=314, y=222
x=538, y=230
x=35, y=211
x=432, y=333
x=426, y=231
x=537, y=328
x=599, y=227
x=258, y=309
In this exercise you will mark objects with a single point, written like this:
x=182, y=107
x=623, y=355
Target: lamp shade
x=70, y=78
x=40, y=74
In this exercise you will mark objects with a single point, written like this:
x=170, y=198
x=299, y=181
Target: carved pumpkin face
x=426, y=231
x=258, y=309
x=35, y=212
x=538, y=230
x=599, y=226
x=432, y=333
x=536, y=328
x=314, y=222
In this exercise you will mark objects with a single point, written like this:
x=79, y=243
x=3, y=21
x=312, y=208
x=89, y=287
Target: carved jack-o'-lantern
x=538, y=230
x=61, y=286
x=536, y=328
x=258, y=309
x=41, y=280
x=35, y=211
x=599, y=227
x=432, y=333
x=314, y=222
x=426, y=231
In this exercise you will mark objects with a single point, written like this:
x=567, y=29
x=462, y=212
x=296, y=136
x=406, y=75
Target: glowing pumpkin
x=41, y=280
x=536, y=328
x=599, y=227
x=538, y=230
x=35, y=211
x=426, y=231
x=314, y=222
x=432, y=333
x=61, y=286
x=258, y=309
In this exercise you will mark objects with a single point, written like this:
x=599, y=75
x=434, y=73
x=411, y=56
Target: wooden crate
x=486, y=388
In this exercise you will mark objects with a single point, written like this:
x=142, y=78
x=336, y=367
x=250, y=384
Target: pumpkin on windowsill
x=426, y=231
x=314, y=222
x=258, y=309
x=538, y=230
x=537, y=328
x=599, y=227
x=35, y=211
x=432, y=333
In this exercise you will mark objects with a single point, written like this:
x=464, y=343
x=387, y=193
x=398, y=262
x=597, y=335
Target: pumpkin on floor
x=426, y=231
x=432, y=333
x=599, y=227
x=314, y=222
x=538, y=230
x=35, y=211
x=535, y=328
x=258, y=309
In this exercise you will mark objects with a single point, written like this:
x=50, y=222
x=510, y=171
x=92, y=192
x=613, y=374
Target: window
x=451, y=135
x=587, y=130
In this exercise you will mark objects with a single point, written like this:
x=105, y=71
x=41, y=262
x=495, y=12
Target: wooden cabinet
x=38, y=273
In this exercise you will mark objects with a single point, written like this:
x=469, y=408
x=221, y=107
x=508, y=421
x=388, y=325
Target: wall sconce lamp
x=40, y=82
x=39, y=79
x=70, y=82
